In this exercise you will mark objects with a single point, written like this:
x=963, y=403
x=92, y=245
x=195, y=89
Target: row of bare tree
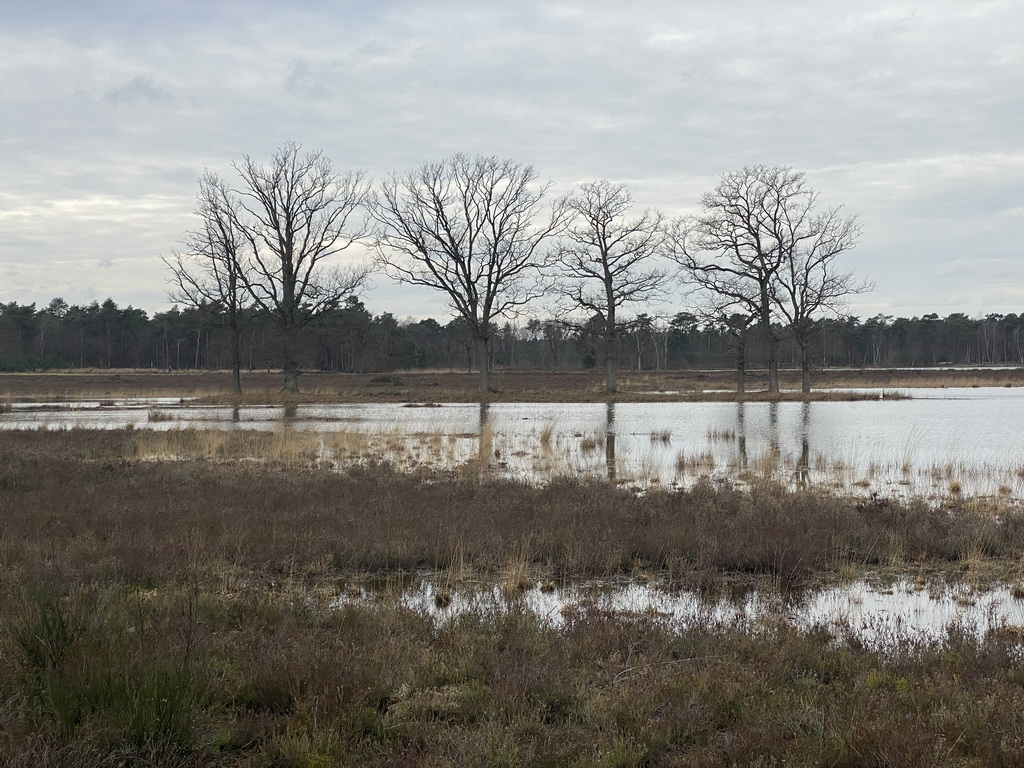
x=487, y=235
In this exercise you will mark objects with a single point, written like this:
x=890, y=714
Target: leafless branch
x=471, y=228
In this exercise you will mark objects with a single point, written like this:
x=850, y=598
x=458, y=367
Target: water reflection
x=486, y=439
x=927, y=446
x=741, y=435
x=609, y=442
x=802, y=473
x=878, y=615
x=773, y=429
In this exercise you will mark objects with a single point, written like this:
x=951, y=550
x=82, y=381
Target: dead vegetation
x=264, y=387
x=193, y=612
x=259, y=500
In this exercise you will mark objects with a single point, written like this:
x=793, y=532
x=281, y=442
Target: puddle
x=878, y=615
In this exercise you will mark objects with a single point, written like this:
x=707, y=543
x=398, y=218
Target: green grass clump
x=90, y=682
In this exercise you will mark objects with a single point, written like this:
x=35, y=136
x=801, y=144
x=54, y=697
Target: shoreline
x=520, y=386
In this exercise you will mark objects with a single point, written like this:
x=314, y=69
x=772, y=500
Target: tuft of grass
x=46, y=626
x=721, y=433
x=661, y=436
x=515, y=578
x=545, y=436
x=592, y=442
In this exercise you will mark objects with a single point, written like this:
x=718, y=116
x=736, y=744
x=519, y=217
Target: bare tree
x=726, y=304
x=209, y=275
x=467, y=227
x=810, y=281
x=606, y=261
x=741, y=239
x=723, y=298
x=296, y=214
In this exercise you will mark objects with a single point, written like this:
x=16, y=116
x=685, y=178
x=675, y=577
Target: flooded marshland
x=936, y=443
x=945, y=445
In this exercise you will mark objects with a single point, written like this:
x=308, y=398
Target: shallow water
x=876, y=614
x=941, y=442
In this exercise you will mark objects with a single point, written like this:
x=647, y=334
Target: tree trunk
x=741, y=366
x=773, y=363
x=805, y=368
x=481, y=361
x=291, y=378
x=765, y=321
x=236, y=359
x=291, y=366
x=610, y=362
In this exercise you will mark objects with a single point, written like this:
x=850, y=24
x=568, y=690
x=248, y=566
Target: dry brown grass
x=178, y=676
x=252, y=500
x=448, y=386
x=214, y=611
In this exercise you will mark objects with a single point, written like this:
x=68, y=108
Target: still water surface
x=940, y=442
x=879, y=615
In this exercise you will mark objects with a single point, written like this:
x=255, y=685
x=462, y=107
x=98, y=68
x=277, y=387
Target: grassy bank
x=185, y=612
x=442, y=386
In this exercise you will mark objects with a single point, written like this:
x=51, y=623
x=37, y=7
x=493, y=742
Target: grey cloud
x=913, y=120
x=1000, y=269
x=309, y=81
x=141, y=88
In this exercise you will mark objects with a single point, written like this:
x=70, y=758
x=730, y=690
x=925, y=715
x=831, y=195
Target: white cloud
x=910, y=114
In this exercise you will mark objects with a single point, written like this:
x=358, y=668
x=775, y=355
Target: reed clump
x=663, y=436
x=592, y=442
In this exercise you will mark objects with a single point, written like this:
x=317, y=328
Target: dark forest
x=350, y=338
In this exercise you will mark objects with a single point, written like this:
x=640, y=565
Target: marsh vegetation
x=262, y=587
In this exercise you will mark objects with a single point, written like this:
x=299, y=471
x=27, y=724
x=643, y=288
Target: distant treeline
x=349, y=338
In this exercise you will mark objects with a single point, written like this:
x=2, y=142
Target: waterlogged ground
x=938, y=443
x=877, y=614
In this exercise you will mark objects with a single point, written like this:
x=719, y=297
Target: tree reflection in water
x=609, y=441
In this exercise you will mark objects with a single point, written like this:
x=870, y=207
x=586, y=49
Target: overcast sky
x=911, y=115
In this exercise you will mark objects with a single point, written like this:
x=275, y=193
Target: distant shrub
x=12, y=363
